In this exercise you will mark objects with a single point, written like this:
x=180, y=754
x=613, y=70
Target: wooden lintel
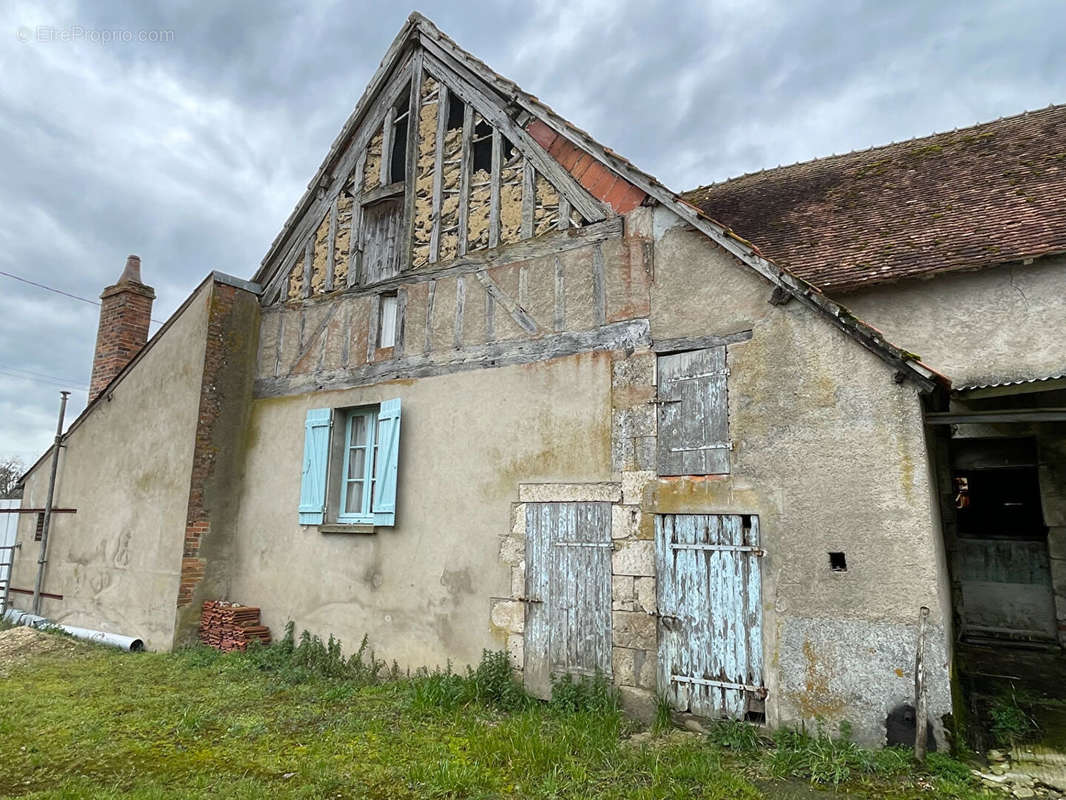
x=1019, y=415
x=629, y=335
x=684, y=344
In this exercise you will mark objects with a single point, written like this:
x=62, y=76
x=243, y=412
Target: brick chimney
x=124, y=316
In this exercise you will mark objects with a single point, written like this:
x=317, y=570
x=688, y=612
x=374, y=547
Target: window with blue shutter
x=364, y=450
x=315, y=466
x=386, y=463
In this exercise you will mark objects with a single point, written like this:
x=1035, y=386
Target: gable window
x=482, y=147
x=381, y=239
x=693, y=418
x=386, y=333
x=398, y=153
x=350, y=465
x=456, y=112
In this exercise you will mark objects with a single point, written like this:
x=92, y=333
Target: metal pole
x=920, y=712
x=43, y=558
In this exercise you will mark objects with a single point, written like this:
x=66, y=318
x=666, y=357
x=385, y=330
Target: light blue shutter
x=316, y=457
x=388, y=463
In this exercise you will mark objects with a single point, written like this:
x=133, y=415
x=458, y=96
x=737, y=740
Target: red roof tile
x=971, y=198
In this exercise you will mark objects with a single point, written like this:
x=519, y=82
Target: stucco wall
x=829, y=452
x=975, y=327
x=126, y=468
x=420, y=590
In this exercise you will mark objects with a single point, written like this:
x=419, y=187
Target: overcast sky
x=190, y=149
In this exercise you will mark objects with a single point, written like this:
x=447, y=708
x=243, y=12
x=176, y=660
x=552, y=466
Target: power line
x=10, y=367
x=59, y=291
x=61, y=384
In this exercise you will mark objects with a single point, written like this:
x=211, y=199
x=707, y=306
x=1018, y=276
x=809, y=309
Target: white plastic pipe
x=128, y=643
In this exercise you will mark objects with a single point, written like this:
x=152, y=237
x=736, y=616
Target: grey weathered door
x=710, y=624
x=568, y=589
x=693, y=429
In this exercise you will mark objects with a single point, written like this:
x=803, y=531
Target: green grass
x=297, y=720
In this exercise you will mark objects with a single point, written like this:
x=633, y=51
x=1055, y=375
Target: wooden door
x=568, y=591
x=710, y=623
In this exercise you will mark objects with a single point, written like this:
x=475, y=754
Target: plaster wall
x=420, y=590
x=829, y=452
x=975, y=327
x=126, y=468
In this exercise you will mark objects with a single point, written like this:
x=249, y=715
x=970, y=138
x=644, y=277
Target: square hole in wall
x=837, y=562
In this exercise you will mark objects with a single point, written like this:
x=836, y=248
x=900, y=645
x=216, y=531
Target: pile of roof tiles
x=231, y=626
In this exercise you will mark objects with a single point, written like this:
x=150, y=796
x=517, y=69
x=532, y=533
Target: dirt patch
x=19, y=645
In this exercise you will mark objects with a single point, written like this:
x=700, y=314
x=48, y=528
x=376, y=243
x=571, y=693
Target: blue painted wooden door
x=568, y=588
x=710, y=623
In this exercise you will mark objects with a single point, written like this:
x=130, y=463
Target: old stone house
x=495, y=387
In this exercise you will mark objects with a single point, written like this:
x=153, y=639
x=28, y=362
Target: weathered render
x=140, y=466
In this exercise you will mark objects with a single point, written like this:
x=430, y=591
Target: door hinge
x=529, y=600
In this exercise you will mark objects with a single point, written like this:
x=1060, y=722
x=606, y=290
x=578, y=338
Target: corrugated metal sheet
x=1019, y=382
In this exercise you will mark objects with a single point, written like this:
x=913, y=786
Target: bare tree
x=11, y=469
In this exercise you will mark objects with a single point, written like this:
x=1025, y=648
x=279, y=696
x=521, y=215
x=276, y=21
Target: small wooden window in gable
x=381, y=239
x=398, y=148
x=693, y=403
x=386, y=333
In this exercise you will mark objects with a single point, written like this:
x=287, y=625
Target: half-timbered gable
x=432, y=169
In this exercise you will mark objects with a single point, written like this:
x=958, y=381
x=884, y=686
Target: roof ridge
x=883, y=146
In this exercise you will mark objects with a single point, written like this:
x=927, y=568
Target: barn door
x=710, y=623
x=568, y=591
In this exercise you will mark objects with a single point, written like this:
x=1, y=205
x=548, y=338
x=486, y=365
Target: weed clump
x=587, y=694
x=1008, y=719
x=491, y=683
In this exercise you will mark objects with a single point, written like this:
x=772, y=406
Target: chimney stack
x=125, y=311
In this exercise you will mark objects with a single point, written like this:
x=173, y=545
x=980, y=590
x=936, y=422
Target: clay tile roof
x=971, y=198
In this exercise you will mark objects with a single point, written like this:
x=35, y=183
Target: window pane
x=354, y=500
x=356, y=463
x=358, y=438
x=387, y=327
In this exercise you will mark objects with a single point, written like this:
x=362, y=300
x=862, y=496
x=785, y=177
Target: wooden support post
x=529, y=197
x=384, y=178
x=355, y=231
x=331, y=241
x=465, y=166
x=414, y=115
x=564, y=213
x=460, y=304
x=429, y=316
x=920, y=712
x=438, y=172
x=494, y=196
x=309, y=261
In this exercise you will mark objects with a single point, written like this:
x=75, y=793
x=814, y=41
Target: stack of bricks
x=231, y=626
